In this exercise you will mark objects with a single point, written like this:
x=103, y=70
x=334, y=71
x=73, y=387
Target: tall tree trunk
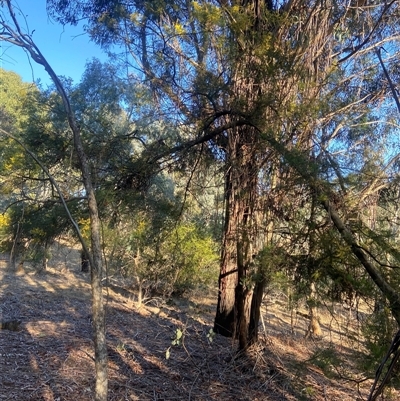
x=235, y=284
x=228, y=278
x=263, y=273
x=12, y=33
x=243, y=165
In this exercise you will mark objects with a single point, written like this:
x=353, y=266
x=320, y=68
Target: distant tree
x=17, y=101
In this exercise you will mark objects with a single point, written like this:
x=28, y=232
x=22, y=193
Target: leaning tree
x=12, y=32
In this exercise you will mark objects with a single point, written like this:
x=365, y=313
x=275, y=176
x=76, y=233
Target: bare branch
x=369, y=36
x=391, y=85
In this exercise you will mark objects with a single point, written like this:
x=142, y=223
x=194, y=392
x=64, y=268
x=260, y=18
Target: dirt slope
x=51, y=358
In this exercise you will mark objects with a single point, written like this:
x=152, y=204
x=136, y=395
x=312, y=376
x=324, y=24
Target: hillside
x=50, y=357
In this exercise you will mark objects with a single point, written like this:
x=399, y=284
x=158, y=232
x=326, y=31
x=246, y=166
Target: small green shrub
x=169, y=261
x=378, y=331
x=326, y=359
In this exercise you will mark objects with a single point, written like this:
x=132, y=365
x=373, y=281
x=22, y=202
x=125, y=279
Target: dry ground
x=51, y=357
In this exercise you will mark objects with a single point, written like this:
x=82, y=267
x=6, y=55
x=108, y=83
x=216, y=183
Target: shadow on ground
x=51, y=357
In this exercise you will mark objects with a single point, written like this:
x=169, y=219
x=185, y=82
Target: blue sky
x=66, y=48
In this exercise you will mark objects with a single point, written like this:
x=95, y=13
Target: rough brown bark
x=235, y=285
x=243, y=306
x=236, y=315
x=228, y=278
x=255, y=311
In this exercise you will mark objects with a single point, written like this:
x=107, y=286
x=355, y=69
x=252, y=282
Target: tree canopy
x=280, y=117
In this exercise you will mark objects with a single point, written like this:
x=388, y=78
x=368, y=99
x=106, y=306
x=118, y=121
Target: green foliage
x=378, y=331
x=166, y=244
x=280, y=282
x=307, y=393
x=17, y=105
x=211, y=335
x=4, y=232
x=176, y=341
x=46, y=132
x=270, y=260
x=317, y=114
x=15, y=95
x=35, y=226
x=192, y=257
x=327, y=359
x=35, y=215
x=174, y=261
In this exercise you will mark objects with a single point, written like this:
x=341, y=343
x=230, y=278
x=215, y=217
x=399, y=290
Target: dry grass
x=51, y=357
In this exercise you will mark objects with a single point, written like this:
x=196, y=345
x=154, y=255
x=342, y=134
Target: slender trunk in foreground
x=14, y=35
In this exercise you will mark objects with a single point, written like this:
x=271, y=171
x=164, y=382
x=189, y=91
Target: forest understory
x=51, y=358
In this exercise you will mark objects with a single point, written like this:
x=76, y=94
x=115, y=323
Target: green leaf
x=211, y=335
x=178, y=334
